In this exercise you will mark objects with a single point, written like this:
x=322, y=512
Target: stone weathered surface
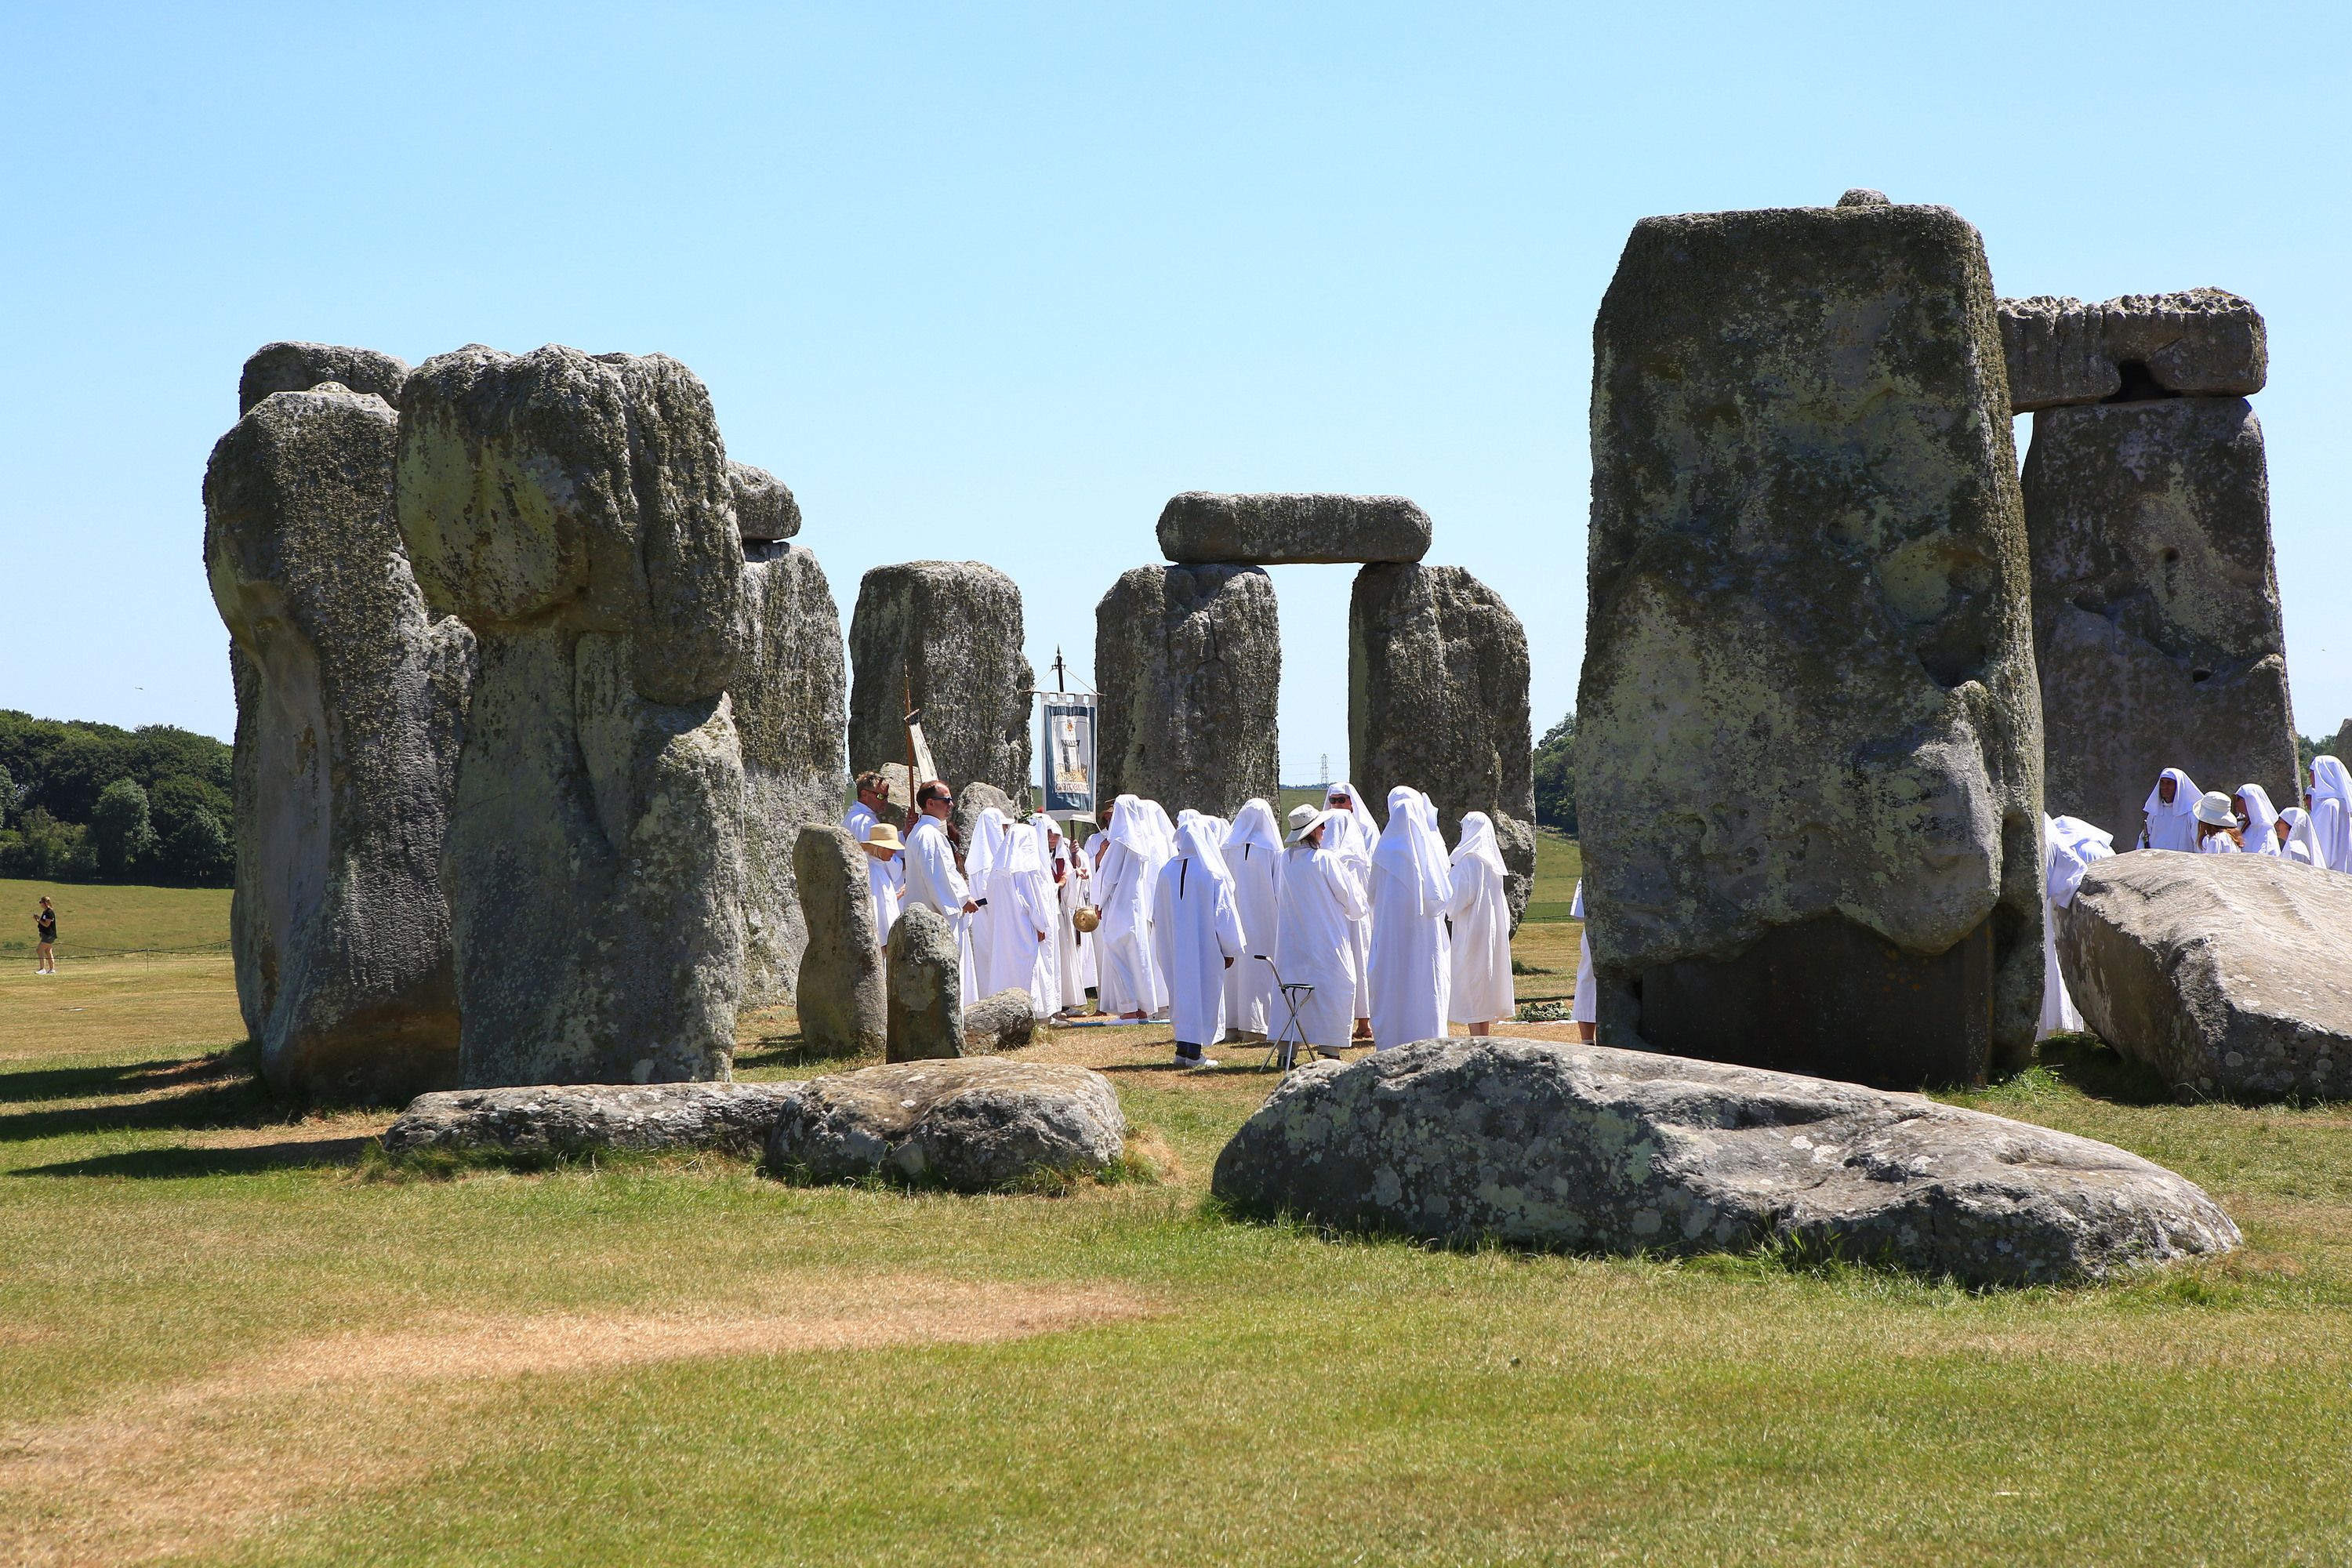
x=2229, y=975
x=2340, y=748
x=924, y=1000
x=1189, y=663
x=765, y=511
x=576, y=511
x=1000, y=1021
x=2156, y=609
x=351, y=699
x=843, y=993
x=1201, y=528
x=2200, y=343
x=953, y=630
x=1437, y=699
x=789, y=697
x=576, y=1118
x=298, y=367
x=971, y=798
x=1608, y=1151
x=973, y=1125
x=1809, y=736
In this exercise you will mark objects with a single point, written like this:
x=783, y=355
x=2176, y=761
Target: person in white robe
x=2257, y=820
x=1079, y=893
x=2331, y=813
x=1480, y=916
x=1062, y=863
x=1318, y=905
x=2296, y=839
x=1586, y=1008
x=2171, y=813
x=1411, y=885
x=885, y=876
x=2217, y=825
x=933, y=879
x=981, y=854
x=1129, y=976
x=1353, y=834
x=1020, y=897
x=2069, y=844
x=1254, y=857
x=1196, y=934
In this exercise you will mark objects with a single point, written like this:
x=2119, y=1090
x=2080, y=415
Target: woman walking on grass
x=45, y=925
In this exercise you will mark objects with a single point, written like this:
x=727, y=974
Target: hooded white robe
x=2069, y=844
x=1351, y=832
x=1062, y=861
x=2173, y=827
x=1078, y=893
x=1195, y=929
x=2331, y=813
x=2302, y=843
x=1412, y=969
x=1020, y=897
x=1253, y=857
x=979, y=858
x=885, y=880
x=1128, y=977
x=2262, y=818
x=932, y=879
x=1319, y=906
x=1586, y=1008
x=1480, y=911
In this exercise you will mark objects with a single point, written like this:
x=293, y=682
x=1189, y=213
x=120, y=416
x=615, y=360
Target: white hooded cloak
x=2331, y=812
x=1319, y=906
x=2069, y=844
x=1253, y=850
x=1353, y=834
x=2262, y=816
x=1412, y=887
x=2302, y=843
x=980, y=856
x=2173, y=827
x=1480, y=914
x=1195, y=929
x=1128, y=975
x=1020, y=897
x=1586, y=1008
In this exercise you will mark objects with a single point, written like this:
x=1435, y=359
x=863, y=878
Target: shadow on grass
x=129, y=1077
x=220, y=1088
x=152, y=1165
x=791, y=1051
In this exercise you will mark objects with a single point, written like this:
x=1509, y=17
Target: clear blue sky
x=993, y=282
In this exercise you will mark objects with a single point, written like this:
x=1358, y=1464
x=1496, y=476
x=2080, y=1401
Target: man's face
x=2166, y=788
x=938, y=805
x=1341, y=803
x=872, y=798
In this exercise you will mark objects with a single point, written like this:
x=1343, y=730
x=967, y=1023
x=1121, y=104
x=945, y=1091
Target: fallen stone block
x=2197, y=342
x=999, y=1023
x=576, y=1118
x=1202, y=528
x=1597, y=1150
x=2229, y=975
x=974, y=1125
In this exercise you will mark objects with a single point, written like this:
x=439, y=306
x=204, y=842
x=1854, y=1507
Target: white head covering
x=2214, y=809
x=1024, y=850
x=2301, y=832
x=1163, y=833
x=1043, y=826
x=2260, y=814
x=2184, y=793
x=1192, y=841
x=1355, y=835
x=1208, y=832
x=1256, y=825
x=1132, y=828
x=986, y=848
x=1411, y=851
x=2329, y=778
x=2072, y=844
x=1478, y=842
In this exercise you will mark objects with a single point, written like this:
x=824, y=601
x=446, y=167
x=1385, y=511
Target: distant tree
x=63, y=765
x=1556, y=776
x=121, y=830
x=44, y=849
x=192, y=841
x=7, y=799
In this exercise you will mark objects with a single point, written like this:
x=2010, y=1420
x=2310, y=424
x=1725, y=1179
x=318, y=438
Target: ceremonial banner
x=1068, y=756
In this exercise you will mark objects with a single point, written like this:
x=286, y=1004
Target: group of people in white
x=2178, y=815
x=1385, y=935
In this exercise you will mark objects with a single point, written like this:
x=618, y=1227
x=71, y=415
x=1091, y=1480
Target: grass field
x=114, y=918
x=228, y=1337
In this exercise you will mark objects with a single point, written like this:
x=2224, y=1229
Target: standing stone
x=2198, y=342
x=298, y=367
x=2340, y=748
x=1189, y=663
x=950, y=631
x=575, y=509
x=1809, y=736
x=843, y=993
x=351, y=707
x=2156, y=607
x=971, y=798
x=1201, y=528
x=926, y=987
x=787, y=697
x=1437, y=699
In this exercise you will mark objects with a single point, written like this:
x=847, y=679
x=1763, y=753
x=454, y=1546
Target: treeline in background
x=92, y=802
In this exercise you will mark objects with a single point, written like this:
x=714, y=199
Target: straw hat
x=883, y=842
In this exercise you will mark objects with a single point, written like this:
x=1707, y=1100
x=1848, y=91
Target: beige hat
x=1304, y=820
x=884, y=837
x=2213, y=810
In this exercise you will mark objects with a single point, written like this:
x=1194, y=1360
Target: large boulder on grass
x=564, y=1118
x=976, y=1125
x=2229, y=975
x=999, y=1022
x=1597, y=1150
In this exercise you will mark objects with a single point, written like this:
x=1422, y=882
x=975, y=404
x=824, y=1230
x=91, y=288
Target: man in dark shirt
x=45, y=924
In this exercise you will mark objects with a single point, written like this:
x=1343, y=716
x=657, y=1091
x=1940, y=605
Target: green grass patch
x=97, y=918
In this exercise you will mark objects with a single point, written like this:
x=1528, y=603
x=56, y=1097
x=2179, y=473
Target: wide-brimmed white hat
x=1305, y=820
x=2213, y=808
